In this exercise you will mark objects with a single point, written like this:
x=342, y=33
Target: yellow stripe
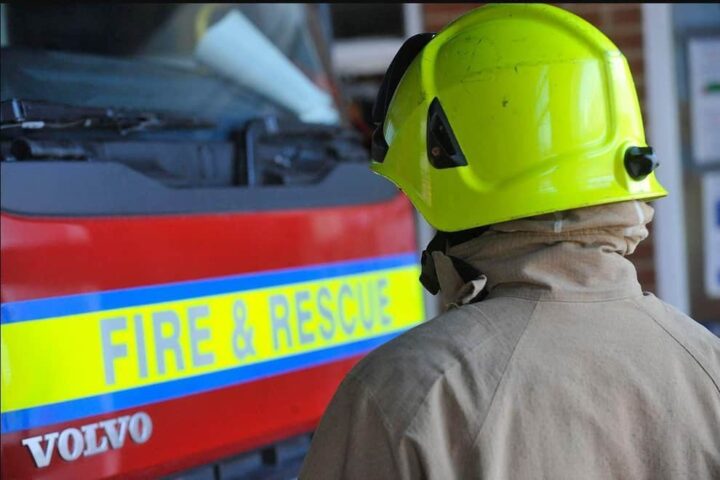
x=77, y=356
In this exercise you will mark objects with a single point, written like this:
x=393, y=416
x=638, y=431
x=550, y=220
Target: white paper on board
x=238, y=50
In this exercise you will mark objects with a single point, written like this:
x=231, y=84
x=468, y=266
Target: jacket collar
x=575, y=255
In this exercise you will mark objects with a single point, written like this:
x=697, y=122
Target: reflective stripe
x=37, y=417
x=86, y=358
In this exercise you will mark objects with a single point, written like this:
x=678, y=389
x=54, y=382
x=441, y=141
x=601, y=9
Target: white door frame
x=664, y=135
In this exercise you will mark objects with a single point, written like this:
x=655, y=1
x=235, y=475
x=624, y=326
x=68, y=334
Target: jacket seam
x=389, y=431
x=476, y=438
x=682, y=345
x=423, y=402
x=453, y=365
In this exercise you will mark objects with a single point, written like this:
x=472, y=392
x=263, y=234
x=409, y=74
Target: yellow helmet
x=511, y=111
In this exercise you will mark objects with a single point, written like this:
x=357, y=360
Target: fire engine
x=194, y=251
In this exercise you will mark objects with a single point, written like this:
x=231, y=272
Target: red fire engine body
x=54, y=257
x=191, y=259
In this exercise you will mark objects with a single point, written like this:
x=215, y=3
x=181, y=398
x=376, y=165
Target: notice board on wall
x=704, y=70
x=711, y=221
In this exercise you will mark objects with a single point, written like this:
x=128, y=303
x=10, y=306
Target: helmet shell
x=543, y=106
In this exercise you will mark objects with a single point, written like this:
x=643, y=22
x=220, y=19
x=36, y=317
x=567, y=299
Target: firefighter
x=516, y=132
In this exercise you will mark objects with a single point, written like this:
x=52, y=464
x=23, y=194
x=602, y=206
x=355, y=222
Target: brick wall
x=622, y=23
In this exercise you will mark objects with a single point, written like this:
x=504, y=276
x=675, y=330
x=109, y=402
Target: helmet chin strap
x=457, y=281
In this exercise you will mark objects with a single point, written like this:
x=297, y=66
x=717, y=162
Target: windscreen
x=275, y=47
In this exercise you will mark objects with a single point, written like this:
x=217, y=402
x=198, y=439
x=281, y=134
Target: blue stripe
x=129, y=297
x=37, y=417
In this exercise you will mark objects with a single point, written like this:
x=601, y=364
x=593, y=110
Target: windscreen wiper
x=36, y=115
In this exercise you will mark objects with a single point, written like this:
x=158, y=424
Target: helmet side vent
x=443, y=149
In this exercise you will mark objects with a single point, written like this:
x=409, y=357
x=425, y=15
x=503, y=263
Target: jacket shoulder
x=701, y=344
x=450, y=364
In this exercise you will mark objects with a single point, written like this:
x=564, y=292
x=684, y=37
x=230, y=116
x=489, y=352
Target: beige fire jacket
x=566, y=371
